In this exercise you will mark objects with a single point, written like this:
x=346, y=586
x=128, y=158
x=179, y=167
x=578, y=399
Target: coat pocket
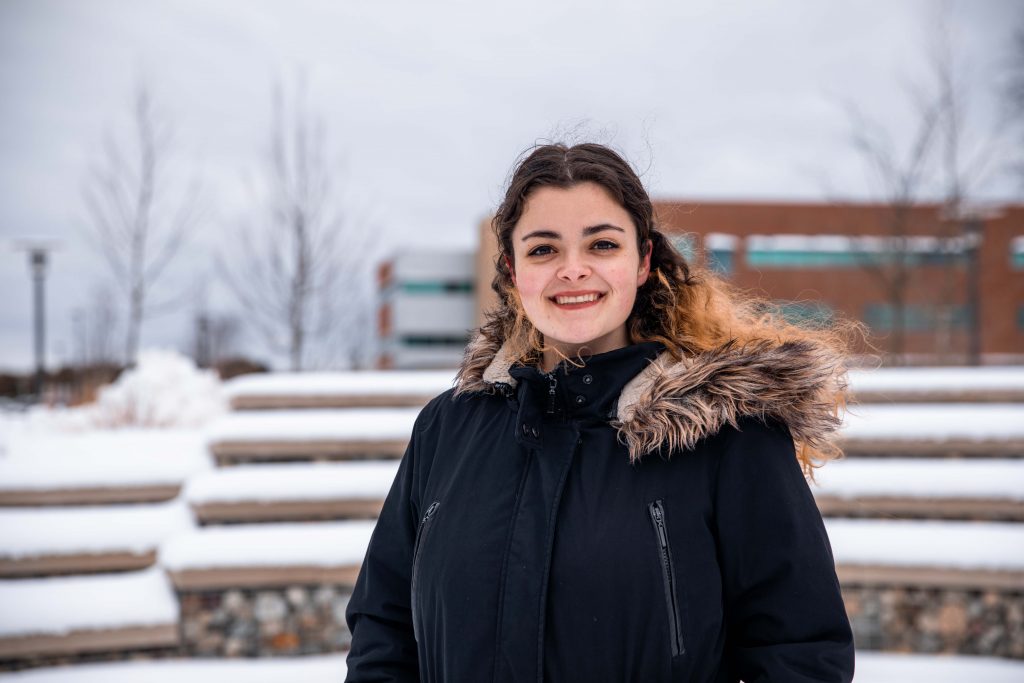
x=421, y=536
x=656, y=510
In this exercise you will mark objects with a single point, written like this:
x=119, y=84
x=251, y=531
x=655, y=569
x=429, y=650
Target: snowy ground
x=872, y=667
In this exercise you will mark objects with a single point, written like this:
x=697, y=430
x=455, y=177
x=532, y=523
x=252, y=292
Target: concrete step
x=976, y=489
x=80, y=540
x=99, y=468
x=291, y=492
x=285, y=435
x=77, y=615
x=285, y=390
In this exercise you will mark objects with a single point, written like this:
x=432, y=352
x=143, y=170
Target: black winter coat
x=520, y=543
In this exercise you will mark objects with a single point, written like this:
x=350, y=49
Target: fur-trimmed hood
x=673, y=404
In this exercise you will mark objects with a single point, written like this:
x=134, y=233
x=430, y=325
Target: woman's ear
x=645, y=265
x=511, y=271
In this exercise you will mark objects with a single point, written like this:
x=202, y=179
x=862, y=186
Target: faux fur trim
x=671, y=405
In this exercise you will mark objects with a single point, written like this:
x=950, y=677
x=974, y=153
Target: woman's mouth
x=574, y=301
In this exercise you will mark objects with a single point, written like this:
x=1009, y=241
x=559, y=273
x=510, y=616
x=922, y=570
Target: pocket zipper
x=657, y=512
x=420, y=536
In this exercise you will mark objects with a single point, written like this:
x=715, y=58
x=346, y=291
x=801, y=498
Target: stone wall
x=296, y=620
x=937, y=620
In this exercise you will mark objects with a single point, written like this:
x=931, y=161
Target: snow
x=927, y=478
x=273, y=482
x=60, y=605
x=370, y=383
x=935, y=422
x=318, y=544
x=164, y=390
x=872, y=667
x=134, y=457
x=941, y=378
x=927, y=543
x=371, y=424
x=33, y=532
x=891, y=667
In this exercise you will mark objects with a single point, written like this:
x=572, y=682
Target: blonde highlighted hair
x=689, y=309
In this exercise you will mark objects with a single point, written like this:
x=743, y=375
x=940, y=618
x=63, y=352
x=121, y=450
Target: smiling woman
x=614, y=490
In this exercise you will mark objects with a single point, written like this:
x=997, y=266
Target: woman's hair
x=689, y=309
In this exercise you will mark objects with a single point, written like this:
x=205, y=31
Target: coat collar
x=670, y=405
x=589, y=390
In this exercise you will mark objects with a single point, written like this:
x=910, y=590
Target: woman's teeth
x=577, y=299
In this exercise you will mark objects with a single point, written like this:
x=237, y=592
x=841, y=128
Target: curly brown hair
x=687, y=308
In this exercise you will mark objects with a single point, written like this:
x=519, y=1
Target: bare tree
x=139, y=222
x=94, y=328
x=899, y=177
x=298, y=267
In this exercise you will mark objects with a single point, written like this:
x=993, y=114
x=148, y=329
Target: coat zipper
x=657, y=512
x=420, y=536
x=552, y=383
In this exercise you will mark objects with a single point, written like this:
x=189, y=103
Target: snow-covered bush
x=164, y=390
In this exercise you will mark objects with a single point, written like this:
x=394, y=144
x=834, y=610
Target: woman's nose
x=573, y=269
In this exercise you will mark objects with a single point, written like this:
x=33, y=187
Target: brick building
x=815, y=261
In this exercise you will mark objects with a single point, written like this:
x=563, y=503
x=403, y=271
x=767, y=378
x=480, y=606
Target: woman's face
x=577, y=267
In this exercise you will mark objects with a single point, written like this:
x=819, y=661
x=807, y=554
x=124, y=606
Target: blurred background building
x=932, y=288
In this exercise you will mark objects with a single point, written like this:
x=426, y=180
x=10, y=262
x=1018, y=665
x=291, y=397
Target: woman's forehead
x=578, y=211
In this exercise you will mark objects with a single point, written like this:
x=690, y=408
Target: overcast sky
x=428, y=104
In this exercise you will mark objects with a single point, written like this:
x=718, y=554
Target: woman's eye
x=542, y=250
x=605, y=245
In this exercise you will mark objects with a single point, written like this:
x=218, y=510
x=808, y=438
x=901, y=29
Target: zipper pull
x=551, y=393
x=660, y=523
x=430, y=511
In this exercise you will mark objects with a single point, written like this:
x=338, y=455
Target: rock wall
x=937, y=620
x=299, y=619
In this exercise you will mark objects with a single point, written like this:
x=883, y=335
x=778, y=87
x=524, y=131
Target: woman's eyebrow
x=590, y=230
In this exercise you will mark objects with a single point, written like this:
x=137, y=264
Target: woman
x=614, y=490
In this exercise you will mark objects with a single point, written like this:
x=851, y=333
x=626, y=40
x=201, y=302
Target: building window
x=434, y=340
x=845, y=251
x=432, y=287
x=684, y=244
x=814, y=314
x=916, y=317
x=721, y=252
x=1017, y=253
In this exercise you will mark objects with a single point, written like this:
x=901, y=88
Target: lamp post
x=38, y=253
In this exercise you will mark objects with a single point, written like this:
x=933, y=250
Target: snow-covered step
x=872, y=667
x=349, y=433
x=267, y=554
x=130, y=466
x=76, y=540
x=284, y=390
x=292, y=491
x=947, y=488
x=78, y=614
x=939, y=384
x=973, y=555
x=944, y=429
